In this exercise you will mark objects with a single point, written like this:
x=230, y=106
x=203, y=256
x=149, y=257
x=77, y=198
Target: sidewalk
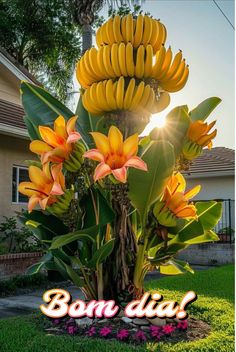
x=25, y=304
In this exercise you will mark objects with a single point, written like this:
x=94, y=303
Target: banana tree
x=113, y=205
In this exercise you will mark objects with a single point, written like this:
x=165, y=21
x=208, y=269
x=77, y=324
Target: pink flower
x=91, y=331
x=168, y=329
x=122, y=334
x=104, y=332
x=56, y=321
x=182, y=325
x=156, y=331
x=71, y=330
x=140, y=336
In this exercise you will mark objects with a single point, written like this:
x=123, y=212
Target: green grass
x=215, y=305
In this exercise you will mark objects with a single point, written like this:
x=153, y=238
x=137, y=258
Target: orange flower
x=56, y=145
x=175, y=202
x=197, y=133
x=45, y=185
x=115, y=155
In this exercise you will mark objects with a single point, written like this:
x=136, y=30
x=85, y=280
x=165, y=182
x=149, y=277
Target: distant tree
x=42, y=36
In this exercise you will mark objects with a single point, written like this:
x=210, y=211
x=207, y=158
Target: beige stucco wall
x=9, y=86
x=13, y=151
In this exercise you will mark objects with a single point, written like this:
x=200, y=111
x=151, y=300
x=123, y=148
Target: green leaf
x=209, y=213
x=75, y=278
x=32, y=130
x=35, y=268
x=204, y=109
x=208, y=236
x=105, y=213
x=175, y=267
x=146, y=187
x=88, y=234
x=40, y=106
x=101, y=254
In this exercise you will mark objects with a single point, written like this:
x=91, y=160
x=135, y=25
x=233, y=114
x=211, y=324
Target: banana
x=174, y=66
x=121, y=56
x=85, y=71
x=101, y=97
x=89, y=66
x=82, y=81
x=160, y=57
x=137, y=96
x=148, y=61
x=120, y=93
x=164, y=33
x=109, y=31
x=115, y=60
x=101, y=62
x=94, y=63
x=179, y=85
x=155, y=32
x=179, y=72
x=160, y=37
x=104, y=37
x=129, y=29
x=92, y=96
x=114, y=92
x=98, y=38
x=129, y=59
x=151, y=102
x=129, y=94
x=110, y=96
x=147, y=32
x=142, y=106
x=88, y=104
x=166, y=64
x=123, y=28
x=138, y=31
x=107, y=61
x=139, y=67
x=162, y=102
x=116, y=29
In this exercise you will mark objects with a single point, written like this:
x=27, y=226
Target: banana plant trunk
x=87, y=37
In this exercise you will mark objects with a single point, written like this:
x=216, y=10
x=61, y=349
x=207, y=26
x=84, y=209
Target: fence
x=225, y=228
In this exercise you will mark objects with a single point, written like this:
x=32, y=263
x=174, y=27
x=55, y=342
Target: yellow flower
x=56, y=145
x=115, y=155
x=45, y=185
x=198, y=133
x=175, y=202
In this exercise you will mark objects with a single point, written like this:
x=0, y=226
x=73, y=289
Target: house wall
x=13, y=151
x=9, y=86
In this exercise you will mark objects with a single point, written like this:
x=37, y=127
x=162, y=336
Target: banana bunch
x=142, y=30
x=118, y=60
x=109, y=95
x=61, y=206
x=75, y=160
x=191, y=150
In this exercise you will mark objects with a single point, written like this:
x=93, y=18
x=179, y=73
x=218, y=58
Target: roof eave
x=13, y=131
x=215, y=173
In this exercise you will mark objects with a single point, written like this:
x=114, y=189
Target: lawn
x=215, y=305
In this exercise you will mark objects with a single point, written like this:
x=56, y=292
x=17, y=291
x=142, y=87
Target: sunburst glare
x=157, y=120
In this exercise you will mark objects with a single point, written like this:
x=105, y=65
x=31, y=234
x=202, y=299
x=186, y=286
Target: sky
x=199, y=29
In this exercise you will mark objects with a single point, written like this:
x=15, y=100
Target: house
x=214, y=171
x=14, y=140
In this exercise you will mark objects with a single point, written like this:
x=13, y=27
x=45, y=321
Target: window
x=19, y=174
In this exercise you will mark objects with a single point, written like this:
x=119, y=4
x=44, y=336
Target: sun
x=157, y=120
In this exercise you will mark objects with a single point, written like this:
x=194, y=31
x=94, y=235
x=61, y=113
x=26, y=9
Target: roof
x=17, y=69
x=11, y=119
x=218, y=161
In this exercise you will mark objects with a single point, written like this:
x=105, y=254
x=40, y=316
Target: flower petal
x=39, y=147
x=136, y=162
x=28, y=189
x=70, y=126
x=55, y=171
x=56, y=155
x=50, y=137
x=60, y=127
x=43, y=202
x=196, y=130
x=116, y=140
x=209, y=127
x=102, y=142
x=37, y=176
x=192, y=192
x=73, y=137
x=94, y=154
x=33, y=202
x=205, y=140
x=101, y=171
x=188, y=211
x=130, y=146
x=56, y=189
x=120, y=174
